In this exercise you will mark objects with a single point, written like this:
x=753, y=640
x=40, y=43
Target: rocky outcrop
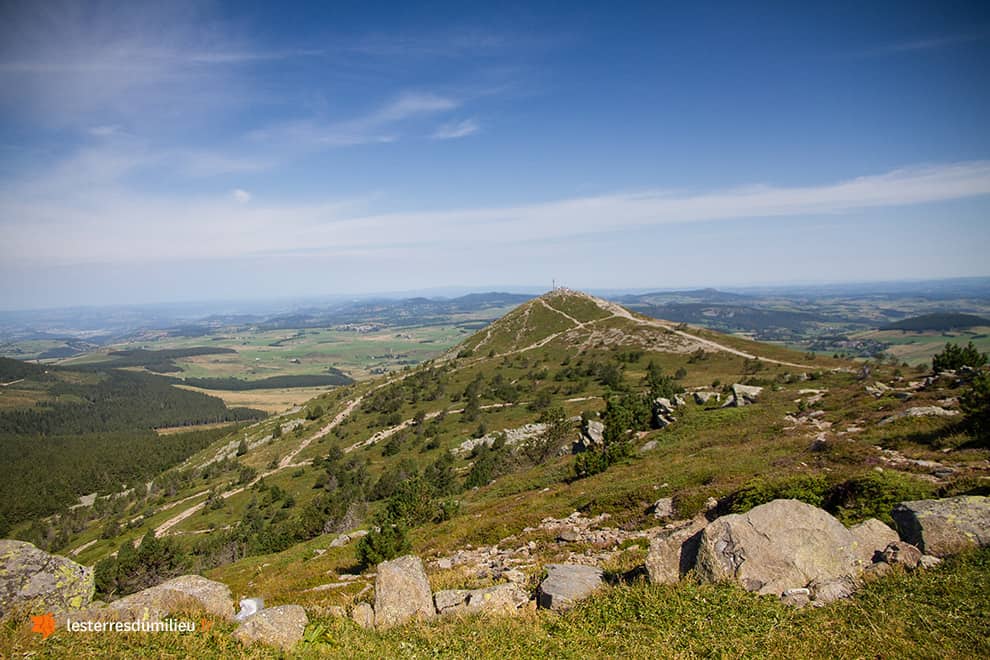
x=701, y=398
x=743, y=395
x=499, y=599
x=402, y=592
x=902, y=554
x=566, y=584
x=663, y=509
x=281, y=626
x=778, y=546
x=944, y=527
x=38, y=580
x=188, y=591
x=920, y=411
x=674, y=552
x=592, y=435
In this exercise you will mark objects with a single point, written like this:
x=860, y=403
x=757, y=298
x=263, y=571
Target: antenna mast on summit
x=553, y=287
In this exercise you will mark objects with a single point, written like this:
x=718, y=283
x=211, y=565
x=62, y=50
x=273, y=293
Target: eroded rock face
x=402, y=592
x=566, y=584
x=781, y=545
x=179, y=593
x=945, y=527
x=39, y=580
x=281, y=626
x=673, y=553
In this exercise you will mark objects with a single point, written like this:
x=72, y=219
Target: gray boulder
x=499, y=599
x=871, y=537
x=945, y=527
x=781, y=545
x=281, y=626
x=402, y=592
x=903, y=554
x=663, y=509
x=39, y=580
x=701, y=398
x=743, y=395
x=673, y=553
x=188, y=591
x=566, y=584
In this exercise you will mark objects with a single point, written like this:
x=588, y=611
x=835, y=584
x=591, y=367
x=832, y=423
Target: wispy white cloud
x=456, y=129
x=921, y=44
x=240, y=195
x=85, y=223
x=381, y=125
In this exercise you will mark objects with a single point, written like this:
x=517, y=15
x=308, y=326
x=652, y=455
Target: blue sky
x=188, y=151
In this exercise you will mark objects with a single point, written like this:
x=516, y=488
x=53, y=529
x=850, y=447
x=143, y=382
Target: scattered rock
x=945, y=527
x=402, y=592
x=920, y=411
x=569, y=535
x=566, y=584
x=743, y=395
x=499, y=599
x=929, y=561
x=901, y=553
x=781, y=545
x=663, y=509
x=871, y=537
x=701, y=398
x=673, y=553
x=798, y=597
x=37, y=579
x=281, y=626
x=650, y=445
x=363, y=615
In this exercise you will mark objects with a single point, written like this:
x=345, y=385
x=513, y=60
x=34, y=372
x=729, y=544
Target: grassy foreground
x=942, y=613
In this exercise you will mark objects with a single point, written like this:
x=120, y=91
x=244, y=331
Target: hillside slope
x=453, y=447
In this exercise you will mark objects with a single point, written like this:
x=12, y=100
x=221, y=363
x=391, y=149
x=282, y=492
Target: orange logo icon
x=44, y=624
x=205, y=625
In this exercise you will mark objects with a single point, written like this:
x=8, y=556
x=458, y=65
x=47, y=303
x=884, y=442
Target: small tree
x=542, y=447
x=955, y=357
x=975, y=404
x=242, y=448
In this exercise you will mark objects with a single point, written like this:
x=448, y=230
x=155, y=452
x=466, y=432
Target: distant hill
x=943, y=321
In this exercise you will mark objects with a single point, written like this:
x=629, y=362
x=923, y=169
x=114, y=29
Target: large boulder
x=743, y=395
x=363, y=614
x=872, y=537
x=188, y=591
x=945, y=527
x=673, y=552
x=566, y=584
x=778, y=546
x=402, y=592
x=281, y=626
x=499, y=599
x=38, y=580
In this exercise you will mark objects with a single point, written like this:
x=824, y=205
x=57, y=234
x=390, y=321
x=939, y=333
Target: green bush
x=386, y=542
x=955, y=357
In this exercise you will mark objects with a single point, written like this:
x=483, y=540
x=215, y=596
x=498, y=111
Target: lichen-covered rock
x=402, y=592
x=673, y=553
x=871, y=537
x=499, y=599
x=945, y=527
x=187, y=591
x=566, y=584
x=663, y=509
x=281, y=626
x=781, y=545
x=38, y=580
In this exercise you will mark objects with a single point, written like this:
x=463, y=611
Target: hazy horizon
x=191, y=151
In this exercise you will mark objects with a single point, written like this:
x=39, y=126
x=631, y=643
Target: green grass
x=941, y=613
